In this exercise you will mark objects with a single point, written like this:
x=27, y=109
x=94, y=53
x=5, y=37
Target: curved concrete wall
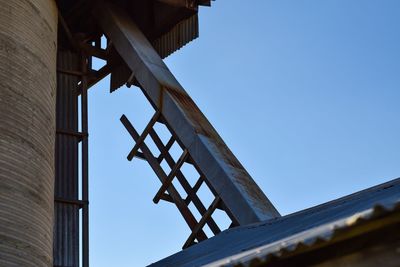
x=28, y=44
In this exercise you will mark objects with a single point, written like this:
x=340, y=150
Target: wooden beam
x=241, y=195
x=202, y=222
x=172, y=192
x=144, y=135
x=170, y=177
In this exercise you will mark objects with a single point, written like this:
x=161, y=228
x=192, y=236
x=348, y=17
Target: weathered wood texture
x=223, y=171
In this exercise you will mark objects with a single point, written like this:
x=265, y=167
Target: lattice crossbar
x=167, y=191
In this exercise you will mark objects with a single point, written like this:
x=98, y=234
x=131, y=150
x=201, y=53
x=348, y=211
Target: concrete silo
x=28, y=45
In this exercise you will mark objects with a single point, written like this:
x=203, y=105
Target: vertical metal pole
x=66, y=242
x=85, y=167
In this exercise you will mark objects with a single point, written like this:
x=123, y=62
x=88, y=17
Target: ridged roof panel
x=275, y=238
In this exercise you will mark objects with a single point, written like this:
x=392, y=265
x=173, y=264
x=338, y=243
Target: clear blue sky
x=305, y=93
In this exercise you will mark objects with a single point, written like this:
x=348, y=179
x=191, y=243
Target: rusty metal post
x=66, y=192
x=85, y=164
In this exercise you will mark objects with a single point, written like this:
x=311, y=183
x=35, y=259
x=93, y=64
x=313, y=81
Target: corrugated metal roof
x=181, y=34
x=277, y=237
x=307, y=239
x=178, y=36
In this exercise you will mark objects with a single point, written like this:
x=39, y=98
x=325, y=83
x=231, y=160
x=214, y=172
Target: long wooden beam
x=223, y=171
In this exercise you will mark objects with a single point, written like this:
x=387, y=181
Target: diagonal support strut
x=232, y=183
